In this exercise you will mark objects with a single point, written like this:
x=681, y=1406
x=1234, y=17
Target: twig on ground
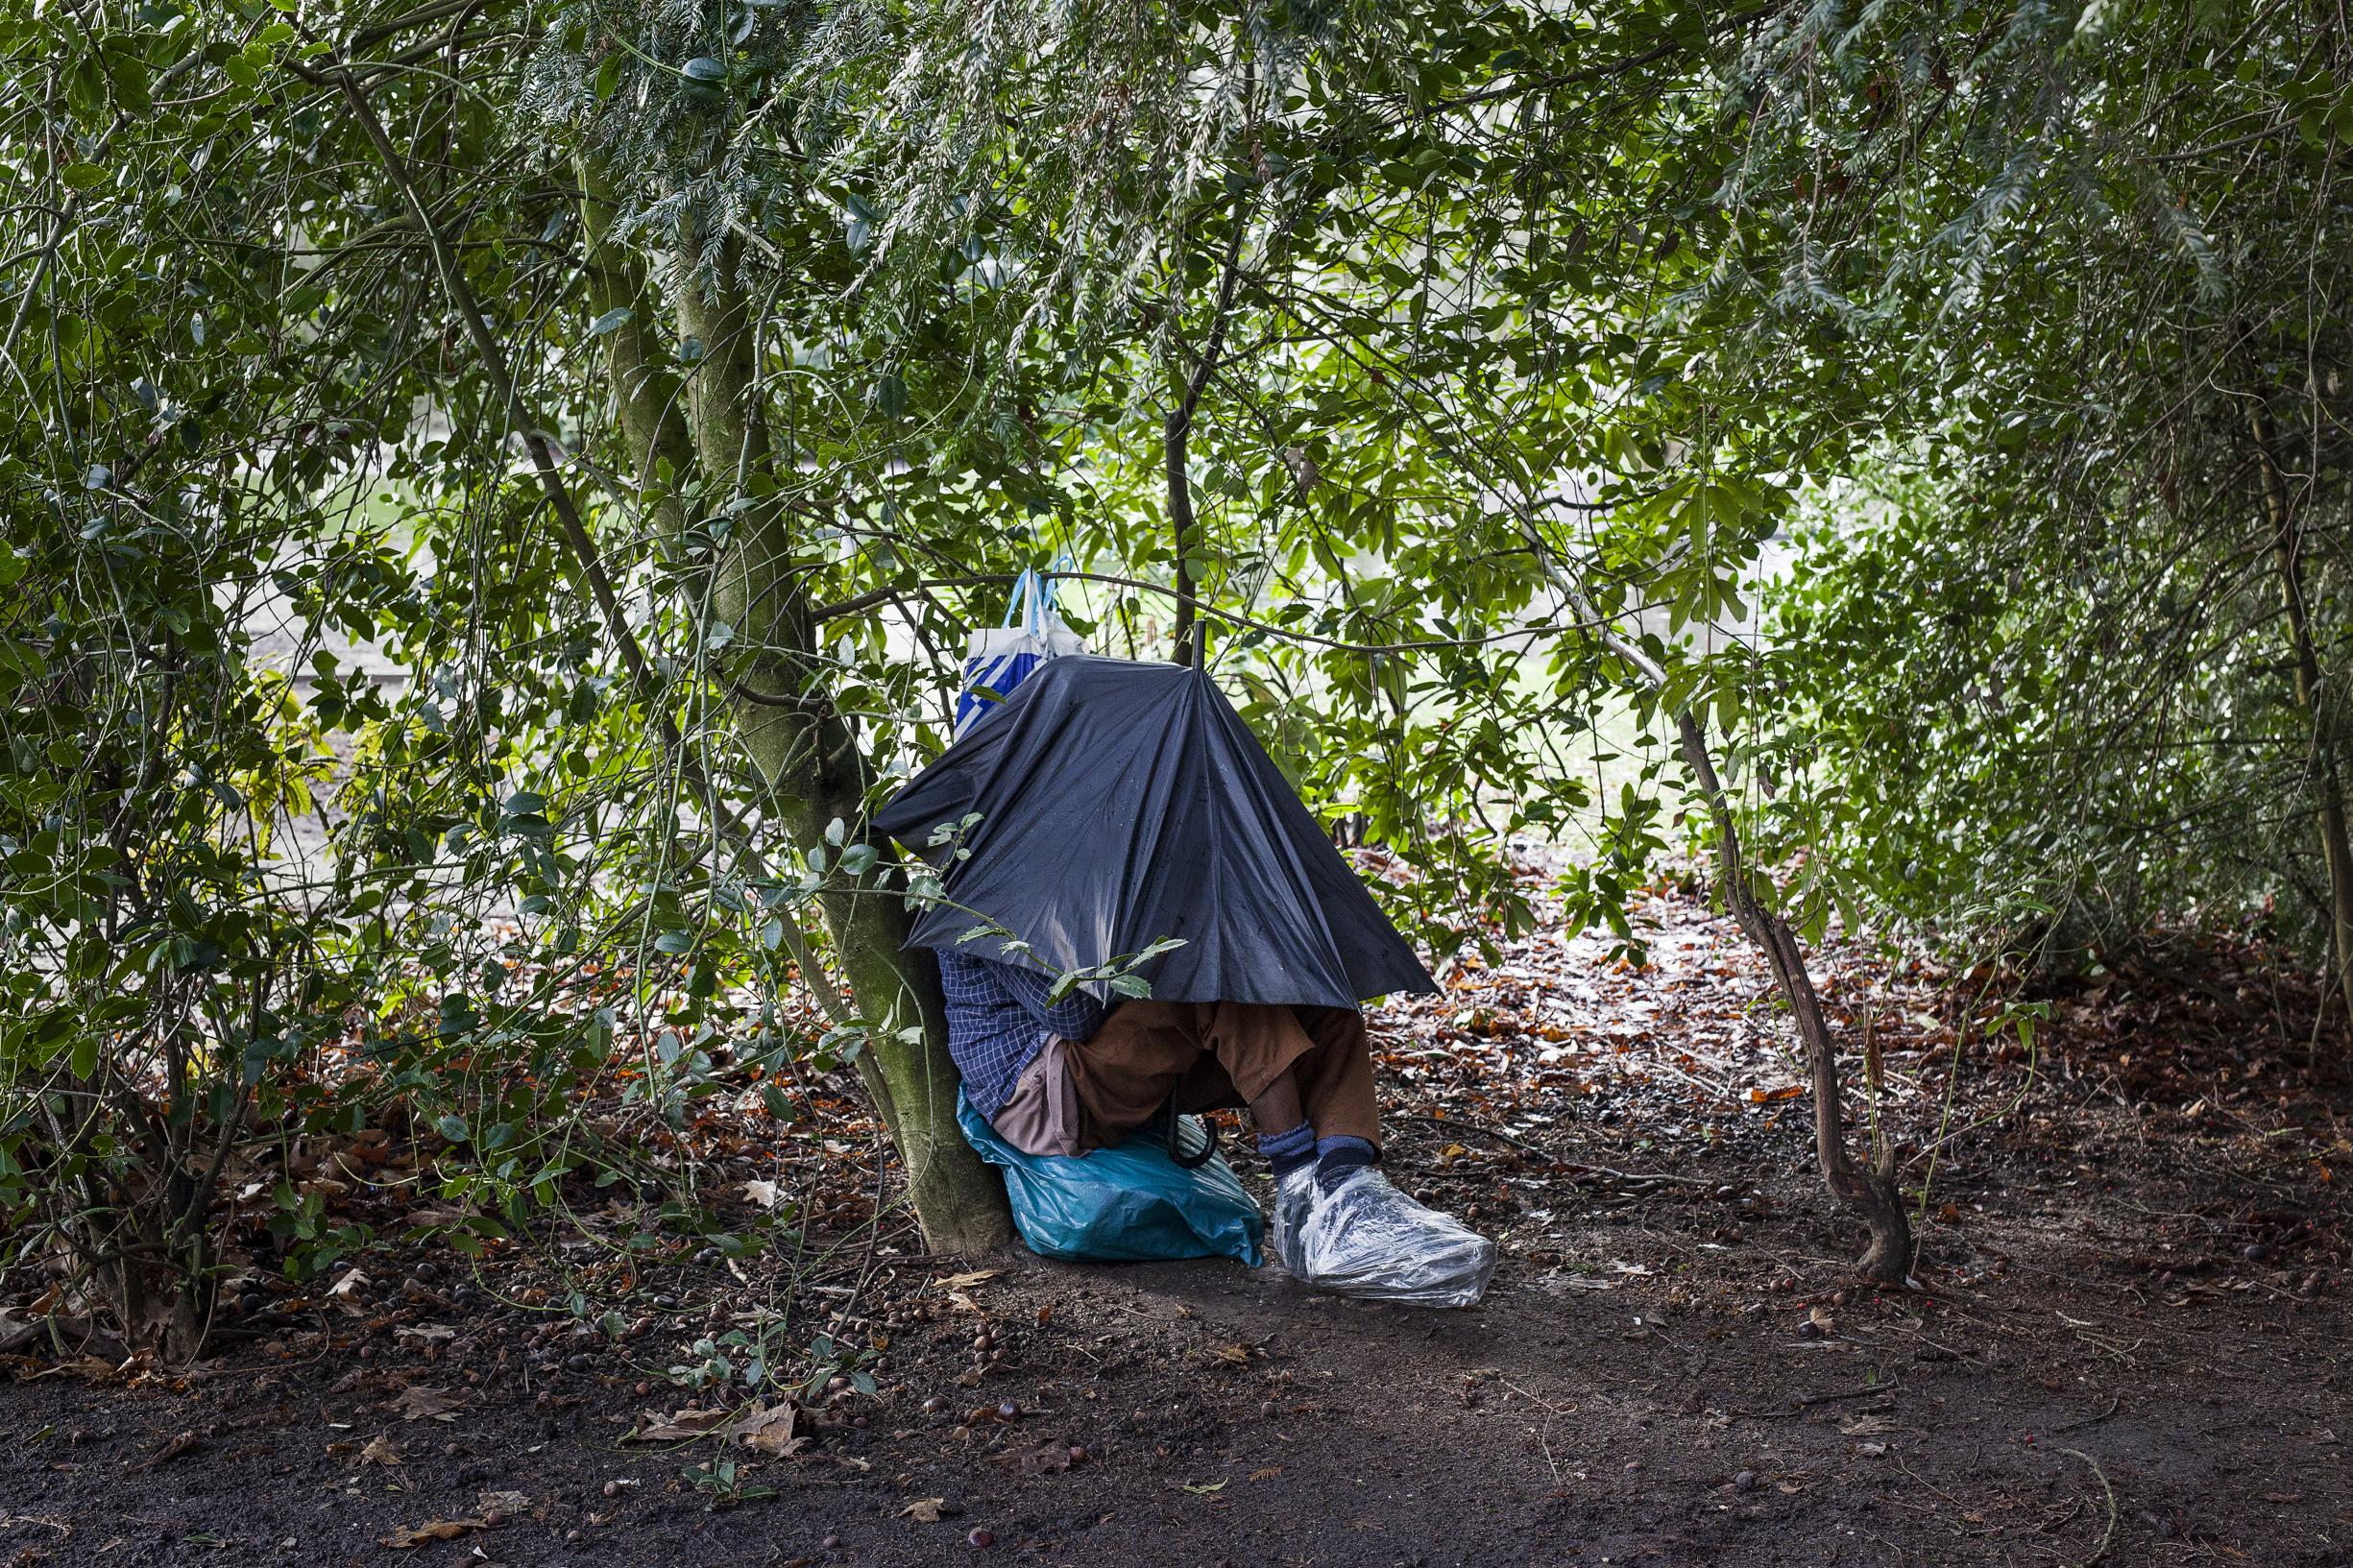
x=2107, y=1537
x=1497, y=1133
x=1572, y=1166
x=2114, y=1403
x=1806, y=1402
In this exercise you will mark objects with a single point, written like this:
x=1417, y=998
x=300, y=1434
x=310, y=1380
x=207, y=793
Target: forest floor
x=2127, y=1344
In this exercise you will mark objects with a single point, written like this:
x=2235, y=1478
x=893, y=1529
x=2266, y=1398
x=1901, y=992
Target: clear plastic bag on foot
x=1365, y=1239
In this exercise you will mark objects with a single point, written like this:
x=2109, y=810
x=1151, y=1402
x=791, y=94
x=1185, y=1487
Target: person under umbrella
x=1109, y=810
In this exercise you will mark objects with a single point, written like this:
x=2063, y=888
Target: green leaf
x=453, y=1128
x=83, y=175
x=674, y=942
x=704, y=69
x=611, y=321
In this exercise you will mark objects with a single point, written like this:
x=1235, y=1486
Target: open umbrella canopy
x=1122, y=804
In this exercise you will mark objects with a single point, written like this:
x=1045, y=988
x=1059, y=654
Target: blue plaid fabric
x=999, y=1019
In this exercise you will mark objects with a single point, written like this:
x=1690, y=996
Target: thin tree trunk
x=959, y=1202
x=645, y=387
x=1869, y=1190
x=2336, y=846
x=1178, y=428
x=814, y=773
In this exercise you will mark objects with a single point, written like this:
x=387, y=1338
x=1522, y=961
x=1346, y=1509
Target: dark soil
x=2127, y=1345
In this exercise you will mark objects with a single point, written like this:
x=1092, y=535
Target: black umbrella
x=1124, y=803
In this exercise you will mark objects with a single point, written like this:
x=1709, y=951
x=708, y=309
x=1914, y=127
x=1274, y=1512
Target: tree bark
x=1868, y=1190
x=1177, y=431
x=959, y=1201
x=809, y=760
x=2335, y=845
x=646, y=389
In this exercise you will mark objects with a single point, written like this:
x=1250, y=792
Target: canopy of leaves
x=1502, y=340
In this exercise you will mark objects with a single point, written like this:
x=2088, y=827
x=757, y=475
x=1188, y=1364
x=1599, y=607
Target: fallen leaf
x=495, y=1506
x=1767, y=1097
x=1045, y=1458
x=382, y=1450
x=1867, y=1426
x=770, y=1430
x=966, y=1281
x=89, y=1369
x=1267, y=1474
x=418, y=1402
x=680, y=1426
x=762, y=1193
x=1206, y=1488
x=432, y=1332
x=435, y=1530
x=183, y=1443
x=924, y=1509
x=1236, y=1355
x=344, y=1292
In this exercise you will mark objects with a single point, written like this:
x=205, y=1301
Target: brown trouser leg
x=1216, y=1053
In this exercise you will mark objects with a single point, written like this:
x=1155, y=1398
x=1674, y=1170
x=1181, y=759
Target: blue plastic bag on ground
x=1130, y=1204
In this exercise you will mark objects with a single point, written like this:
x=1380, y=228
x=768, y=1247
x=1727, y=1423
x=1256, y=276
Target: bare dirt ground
x=2127, y=1345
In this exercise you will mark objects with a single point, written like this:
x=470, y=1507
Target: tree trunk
x=652, y=418
x=2336, y=847
x=809, y=760
x=1869, y=1190
x=959, y=1201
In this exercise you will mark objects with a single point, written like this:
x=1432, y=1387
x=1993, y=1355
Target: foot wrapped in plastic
x=1365, y=1239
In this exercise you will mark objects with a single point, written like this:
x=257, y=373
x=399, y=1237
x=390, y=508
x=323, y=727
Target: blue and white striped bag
x=1001, y=658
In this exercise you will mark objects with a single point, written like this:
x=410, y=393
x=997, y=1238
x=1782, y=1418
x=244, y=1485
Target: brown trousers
x=1205, y=1055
